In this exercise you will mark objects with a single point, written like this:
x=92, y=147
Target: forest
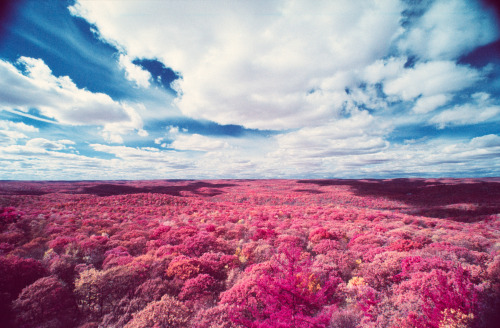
x=250, y=253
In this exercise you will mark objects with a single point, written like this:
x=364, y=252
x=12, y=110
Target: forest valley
x=250, y=253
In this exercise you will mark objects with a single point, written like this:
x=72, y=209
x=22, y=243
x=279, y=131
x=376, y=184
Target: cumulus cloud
x=197, y=142
x=434, y=157
x=19, y=126
x=336, y=79
x=11, y=136
x=481, y=155
x=182, y=140
x=34, y=86
x=383, y=69
x=44, y=159
x=145, y=157
x=359, y=134
x=450, y=29
x=479, y=149
x=113, y=131
x=255, y=63
x=427, y=104
x=23, y=162
x=38, y=146
x=431, y=79
x=286, y=64
x=124, y=151
x=490, y=140
x=43, y=143
x=465, y=115
x=480, y=109
x=12, y=131
x=133, y=72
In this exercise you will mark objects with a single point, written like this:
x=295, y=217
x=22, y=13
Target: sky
x=100, y=90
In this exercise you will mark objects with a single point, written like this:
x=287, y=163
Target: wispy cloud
x=33, y=85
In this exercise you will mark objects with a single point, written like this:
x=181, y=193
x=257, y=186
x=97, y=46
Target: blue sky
x=256, y=89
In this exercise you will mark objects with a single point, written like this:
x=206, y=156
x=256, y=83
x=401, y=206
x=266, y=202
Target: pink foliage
x=319, y=234
x=217, y=264
x=215, y=317
x=183, y=268
x=263, y=234
x=158, y=232
x=395, y=253
x=45, y=302
x=405, y=245
x=446, y=290
x=288, y=294
x=16, y=273
x=5, y=248
x=59, y=243
x=116, y=256
x=326, y=245
x=200, y=287
x=8, y=215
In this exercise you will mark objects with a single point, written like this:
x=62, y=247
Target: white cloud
x=431, y=79
x=330, y=76
x=461, y=153
x=19, y=126
x=286, y=64
x=10, y=132
x=182, y=140
x=39, y=146
x=197, y=142
x=465, y=115
x=146, y=158
x=490, y=140
x=450, y=29
x=434, y=157
x=359, y=134
x=172, y=130
x=252, y=63
x=123, y=151
x=59, y=98
x=113, y=132
x=430, y=103
x=44, y=159
x=133, y=72
x=480, y=109
x=142, y=133
x=11, y=136
x=43, y=143
x=381, y=70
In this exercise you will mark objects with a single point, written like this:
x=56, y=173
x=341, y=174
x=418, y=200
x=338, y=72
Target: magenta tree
x=287, y=293
x=45, y=303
